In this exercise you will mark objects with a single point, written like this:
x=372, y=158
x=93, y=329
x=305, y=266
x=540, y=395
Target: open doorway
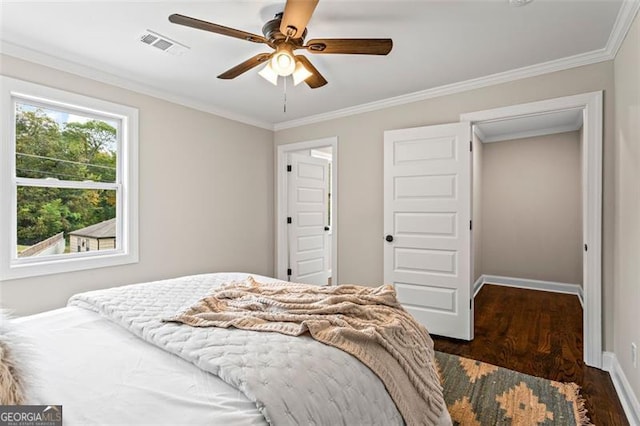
x=527, y=202
x=306, y=217
x=583, y=114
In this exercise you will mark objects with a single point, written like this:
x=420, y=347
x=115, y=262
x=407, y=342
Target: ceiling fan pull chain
x=285, y=95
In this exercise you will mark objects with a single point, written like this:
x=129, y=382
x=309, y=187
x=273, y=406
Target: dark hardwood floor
x=537, y=333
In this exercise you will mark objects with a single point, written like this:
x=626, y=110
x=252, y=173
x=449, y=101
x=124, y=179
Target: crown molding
x=74, y=66
x=588, y=58
x=624, y=20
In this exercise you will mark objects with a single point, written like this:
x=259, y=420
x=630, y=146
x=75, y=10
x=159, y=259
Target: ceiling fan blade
x=215, y=28
x=245, y=66
x=352, y=46
x=297, y=14
x=316, y=79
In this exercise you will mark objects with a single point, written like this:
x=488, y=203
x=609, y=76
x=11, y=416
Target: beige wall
x=531, y=208
x=627, y=204
x=476, y=204
x=360, y=140
x=192, y=219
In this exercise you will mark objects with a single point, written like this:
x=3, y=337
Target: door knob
x=326, y=228
x=389, y=238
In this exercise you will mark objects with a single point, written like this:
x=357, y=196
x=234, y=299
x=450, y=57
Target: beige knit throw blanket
x=368, y=323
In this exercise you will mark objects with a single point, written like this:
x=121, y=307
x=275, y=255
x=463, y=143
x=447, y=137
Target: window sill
x=56, y=265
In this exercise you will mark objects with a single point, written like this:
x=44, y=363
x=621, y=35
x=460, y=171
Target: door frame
x=592, y=109
x=281, y=208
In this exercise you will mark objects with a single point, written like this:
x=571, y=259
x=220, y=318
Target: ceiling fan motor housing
x=271, y=31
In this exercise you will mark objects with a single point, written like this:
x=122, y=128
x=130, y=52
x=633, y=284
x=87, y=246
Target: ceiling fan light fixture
x=301, y=73
x=269, y=74
x=283, y=61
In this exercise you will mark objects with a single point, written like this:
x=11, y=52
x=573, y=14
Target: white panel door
x=427, y=213
x=308, y=204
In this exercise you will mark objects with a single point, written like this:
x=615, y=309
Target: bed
x=108, y=359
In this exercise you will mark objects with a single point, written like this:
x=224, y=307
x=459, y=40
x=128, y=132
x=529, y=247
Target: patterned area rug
x=480, y=394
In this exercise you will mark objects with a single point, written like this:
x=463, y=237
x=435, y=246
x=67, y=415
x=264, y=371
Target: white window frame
x=11, y=266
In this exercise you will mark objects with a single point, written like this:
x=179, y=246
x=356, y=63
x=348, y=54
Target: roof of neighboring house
x=106, y=229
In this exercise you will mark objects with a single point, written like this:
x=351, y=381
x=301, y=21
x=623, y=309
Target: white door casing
x=427, y=211
x=308, y=203
x=592, y=110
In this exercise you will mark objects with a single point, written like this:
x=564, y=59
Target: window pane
x=59, y=220
x=57, y=144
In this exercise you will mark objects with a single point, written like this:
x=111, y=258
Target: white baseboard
x=552, y=286
x=581, y=295
x=626, y=395
x=477, y=286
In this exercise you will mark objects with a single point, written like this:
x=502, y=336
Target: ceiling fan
x=285, y=34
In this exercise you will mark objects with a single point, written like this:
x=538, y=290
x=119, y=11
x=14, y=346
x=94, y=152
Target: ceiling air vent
x=163, y=43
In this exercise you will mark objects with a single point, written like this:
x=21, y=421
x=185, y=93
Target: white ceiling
x=436, y=43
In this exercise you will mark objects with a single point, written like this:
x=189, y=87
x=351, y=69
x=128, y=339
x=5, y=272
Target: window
x=69, y=181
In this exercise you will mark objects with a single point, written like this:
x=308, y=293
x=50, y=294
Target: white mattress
x=115, y=378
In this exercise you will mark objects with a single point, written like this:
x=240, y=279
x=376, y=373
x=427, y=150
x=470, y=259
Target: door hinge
x=586, y=248
x=470, y=225
x=289, y=220
x=289, y=272
x=470, y=303
x=470, y=146
x=288, y=167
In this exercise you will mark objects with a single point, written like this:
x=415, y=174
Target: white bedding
x=115, y=378
x=103, y=374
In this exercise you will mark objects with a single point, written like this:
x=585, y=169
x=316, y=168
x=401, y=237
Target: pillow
x=13, y=355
